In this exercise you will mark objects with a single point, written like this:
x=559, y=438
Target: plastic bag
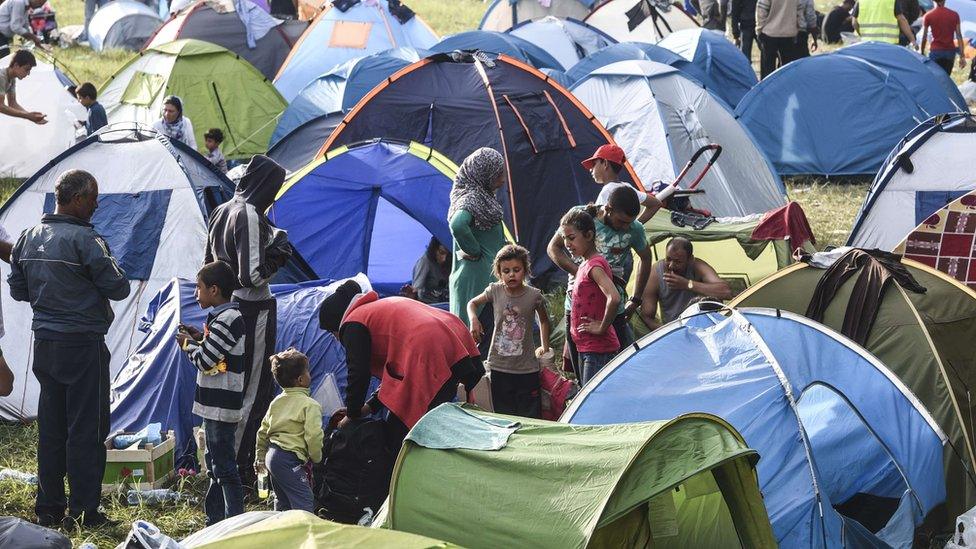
x=150, y=434
x=965, y=534
x=145, y=535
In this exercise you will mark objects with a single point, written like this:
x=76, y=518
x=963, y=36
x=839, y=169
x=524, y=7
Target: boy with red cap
x=605, y=166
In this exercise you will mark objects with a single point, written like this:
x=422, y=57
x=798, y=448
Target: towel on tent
x=788, y=221
x=449, y=427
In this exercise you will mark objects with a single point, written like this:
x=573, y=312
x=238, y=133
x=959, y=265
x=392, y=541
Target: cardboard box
x=145, y=468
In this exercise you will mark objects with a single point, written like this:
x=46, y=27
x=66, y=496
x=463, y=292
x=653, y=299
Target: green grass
x=830, y=206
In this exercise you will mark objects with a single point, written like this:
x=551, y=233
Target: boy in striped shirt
x=218, y=355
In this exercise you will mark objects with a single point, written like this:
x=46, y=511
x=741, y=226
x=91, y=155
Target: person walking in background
x=777, y=25
x=96, y=112
x=174, y=124
x=884, y=21
x=838, y=21
x=14, y=22
x=67, y=273
x=512, y=359
x=944, y=24
x=19, y=68
x=742, y=16
x=712, y=14
x=212, y=140
x=475, y=218
x=808, y=29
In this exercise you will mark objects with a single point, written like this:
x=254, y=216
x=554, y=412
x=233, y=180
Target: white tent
x=640, y=20
x=122, y=24
x=931, y=167
x=502, y=15
x=568, y=40
x=27, y=146
x=660, y=118
x=154, y=200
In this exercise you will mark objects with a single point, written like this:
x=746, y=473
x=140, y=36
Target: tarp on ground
x=832, y=423
x=683, y=482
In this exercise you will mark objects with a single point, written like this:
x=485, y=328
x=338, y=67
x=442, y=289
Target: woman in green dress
x=475, y=216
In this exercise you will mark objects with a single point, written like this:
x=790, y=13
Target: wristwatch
x=691, y=285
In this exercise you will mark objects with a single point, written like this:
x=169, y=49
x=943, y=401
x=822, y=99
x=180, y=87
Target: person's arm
x=906, y=29
x=11, y=107
x=605, y=282
x=261, y=444
x=477, y=331
x=545, y=326
x=464, y=236
x=643, y=251
x=854, y=13
x=20, y=25
x=711, y=285
x=962, y=46
x=420, y=271
x=314, y=437
x=649, y=307
x=651, y=204
x=105, y=272
x=559, y=256
x=762, y=13
x=5, y=248
x=811, y=23
x=925, y=36
x=17, y=281
x=358, y=345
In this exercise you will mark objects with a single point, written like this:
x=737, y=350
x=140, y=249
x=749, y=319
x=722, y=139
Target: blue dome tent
x=498, y=42
x=158, y=381
x=568, y=40
x=336, y=36
x=370, y=207
x=727, y=72
x=339, y=89
x=850, y=457
x=633, y=51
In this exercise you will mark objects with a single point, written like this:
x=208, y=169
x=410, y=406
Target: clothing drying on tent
x=45, y=90
x=240, y=26
x=157, y=383
x=634, y=51
x=498, y=42
x=459, y=103
x=928, y=169
x=841, y=113
x=488, y=480
x=850, y=458
x=122, y=24
x=338, y=90
x=370, y=207
x=338, y=35
x=639, y=20
x=218, y=90
x=263, y=529
x=727, y=72
x=917, y=336
x=946, y=240
x=568, y=40
x=661, y=118
x=299, y=146
x=154, y=199
x=502, y=15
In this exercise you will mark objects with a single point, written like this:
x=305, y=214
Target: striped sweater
x=219, y=359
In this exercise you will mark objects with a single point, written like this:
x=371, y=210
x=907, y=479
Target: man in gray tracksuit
x=241, y=235
x=66, y=272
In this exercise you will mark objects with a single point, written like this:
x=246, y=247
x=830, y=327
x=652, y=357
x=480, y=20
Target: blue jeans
x=592, y=364
x=943, y=58
x=290, y=482
x=225, y=496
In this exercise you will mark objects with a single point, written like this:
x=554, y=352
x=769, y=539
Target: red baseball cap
x=612, y=153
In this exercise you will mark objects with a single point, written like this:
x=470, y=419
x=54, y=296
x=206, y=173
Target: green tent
x=486, y=480
x=925, y=339
x=294, y=529
x=218, y=90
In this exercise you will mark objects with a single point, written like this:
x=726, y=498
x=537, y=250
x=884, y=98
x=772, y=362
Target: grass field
x=830, y=206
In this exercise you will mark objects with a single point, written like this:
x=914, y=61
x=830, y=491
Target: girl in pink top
x=595, y=299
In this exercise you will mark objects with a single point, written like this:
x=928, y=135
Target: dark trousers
x=290, y=481
x=225, y=495
x=802, y=47
x=516, y=394
x=260, y=333
x=4, y=45
x=944, y=58
x=775, y=52
x=747, y=37
x=72, y=423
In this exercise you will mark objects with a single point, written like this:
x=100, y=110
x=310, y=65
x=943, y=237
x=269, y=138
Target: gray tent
x=217, y=22
x=122, y=24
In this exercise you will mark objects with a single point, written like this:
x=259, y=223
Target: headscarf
x=261, y=182
x=334, y=307
x=176, y=129
x=472, y=188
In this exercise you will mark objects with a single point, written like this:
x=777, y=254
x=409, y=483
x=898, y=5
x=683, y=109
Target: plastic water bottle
x=134, y=497
x=20, y=476
x=263, y=485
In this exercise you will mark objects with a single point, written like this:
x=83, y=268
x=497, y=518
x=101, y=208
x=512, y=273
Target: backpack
x=354, y=477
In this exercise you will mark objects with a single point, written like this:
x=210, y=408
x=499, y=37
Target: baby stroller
x=43, y=23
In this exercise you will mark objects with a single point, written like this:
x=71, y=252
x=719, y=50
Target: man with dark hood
x=241, y=235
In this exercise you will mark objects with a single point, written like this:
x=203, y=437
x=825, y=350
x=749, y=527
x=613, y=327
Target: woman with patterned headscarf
x=174, y=124
x=475, y=216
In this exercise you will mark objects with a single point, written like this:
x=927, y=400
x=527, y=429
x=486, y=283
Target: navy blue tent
x=634, y=51
x=498, y=42
x=458, y=103
x=339, y=89
x=727, y=72
x=850, y=457
x=158, y=381
x=298, y=147
x=368, y=208
x=839, y=113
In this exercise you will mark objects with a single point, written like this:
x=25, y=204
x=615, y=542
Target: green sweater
x=470, y=278
x=293, y=423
